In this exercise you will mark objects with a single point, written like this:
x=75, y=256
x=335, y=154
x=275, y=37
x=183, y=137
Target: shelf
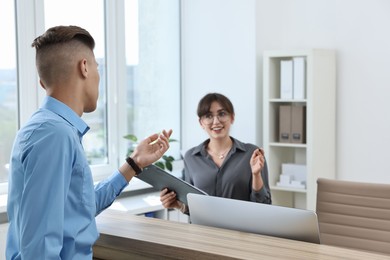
x=288, y=189
x=291, y=145
x=278, y=100
x=317, y=152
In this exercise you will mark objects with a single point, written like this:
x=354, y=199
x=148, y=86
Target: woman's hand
x=168, y=199
x=257, y=164
x=257, y=161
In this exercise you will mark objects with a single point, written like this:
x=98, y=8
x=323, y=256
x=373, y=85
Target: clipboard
x=161, y=179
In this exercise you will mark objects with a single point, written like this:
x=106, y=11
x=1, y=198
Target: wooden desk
x=126, y=236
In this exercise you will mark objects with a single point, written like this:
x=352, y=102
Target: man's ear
x=83, y=68
x=41, y=83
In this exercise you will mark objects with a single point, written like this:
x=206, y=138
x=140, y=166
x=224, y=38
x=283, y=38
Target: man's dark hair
x=61, y=34
x=58, y=50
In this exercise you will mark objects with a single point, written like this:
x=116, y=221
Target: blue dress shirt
x=52, y=202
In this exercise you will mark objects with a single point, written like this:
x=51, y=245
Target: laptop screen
x=264, y=219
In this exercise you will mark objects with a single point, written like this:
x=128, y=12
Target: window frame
x=30, y=23
x=29, y=18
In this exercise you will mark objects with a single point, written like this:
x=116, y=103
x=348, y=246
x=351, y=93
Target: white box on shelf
x=296, y=171
x=286, y=79
x=298, y=184
x=284, y=179
x=288, y=180
x=299, y=76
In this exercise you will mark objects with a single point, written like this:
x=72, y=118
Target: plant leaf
x=168, y=158
x=160, y=165
x=131, y=137
x=130, y=151
x=168, y=164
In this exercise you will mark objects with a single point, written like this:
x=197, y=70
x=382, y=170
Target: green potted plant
x=164, y=163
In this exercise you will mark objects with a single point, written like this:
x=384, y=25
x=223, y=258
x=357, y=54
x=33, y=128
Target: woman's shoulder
x=189, y=152
x=194, y=150
x=245, y=146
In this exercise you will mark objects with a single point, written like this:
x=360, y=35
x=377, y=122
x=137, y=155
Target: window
x=58, y=13
x=153, y=67
x=8, y=85
x=138, y=51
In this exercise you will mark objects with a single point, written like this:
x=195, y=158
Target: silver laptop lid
x=264, y=219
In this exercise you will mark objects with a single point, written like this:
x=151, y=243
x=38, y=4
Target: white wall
x=218, y=49
x=358, y=30
x=219, y=55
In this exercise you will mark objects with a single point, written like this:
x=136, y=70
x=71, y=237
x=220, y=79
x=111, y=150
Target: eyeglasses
x=222, y=117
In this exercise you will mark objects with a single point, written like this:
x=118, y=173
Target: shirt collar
x=201, y=149
x=66, y=113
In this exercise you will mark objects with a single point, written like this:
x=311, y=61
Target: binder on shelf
x=298, y=124
x=286, y=79
x=299, y=78
x=284, y=124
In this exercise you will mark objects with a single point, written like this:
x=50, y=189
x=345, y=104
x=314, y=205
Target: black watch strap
x=133, y=165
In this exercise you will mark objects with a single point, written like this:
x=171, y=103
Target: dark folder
x=298, y=124
x=285, y=124
x=161, y=179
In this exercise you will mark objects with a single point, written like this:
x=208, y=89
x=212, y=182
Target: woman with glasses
x=222, y=166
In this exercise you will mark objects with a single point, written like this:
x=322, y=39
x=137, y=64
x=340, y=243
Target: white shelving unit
x=318, y=152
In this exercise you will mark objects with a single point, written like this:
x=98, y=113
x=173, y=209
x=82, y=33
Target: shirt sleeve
x=186, y=172
x=107, y=190
x=264, y=194
x=47, y=165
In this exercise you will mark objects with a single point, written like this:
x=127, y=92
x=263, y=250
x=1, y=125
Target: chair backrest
x=354, y=214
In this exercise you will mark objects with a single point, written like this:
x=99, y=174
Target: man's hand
x=147, y=152
x=151, y=149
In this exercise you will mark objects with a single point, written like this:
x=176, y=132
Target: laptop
x=264, y=219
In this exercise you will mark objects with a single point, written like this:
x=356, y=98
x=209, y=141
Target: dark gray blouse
x=232, y=180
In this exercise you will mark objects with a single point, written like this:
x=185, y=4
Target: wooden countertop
x=127, y=236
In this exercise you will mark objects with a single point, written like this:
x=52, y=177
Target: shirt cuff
x=118, y=181
x=184, y=209
x=260, y=196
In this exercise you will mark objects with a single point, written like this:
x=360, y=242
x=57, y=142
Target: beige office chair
x=354, y=215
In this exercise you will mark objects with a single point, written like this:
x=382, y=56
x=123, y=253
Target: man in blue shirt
x=52, y=202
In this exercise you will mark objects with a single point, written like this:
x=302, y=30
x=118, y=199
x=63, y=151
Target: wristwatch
x=133, y=165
